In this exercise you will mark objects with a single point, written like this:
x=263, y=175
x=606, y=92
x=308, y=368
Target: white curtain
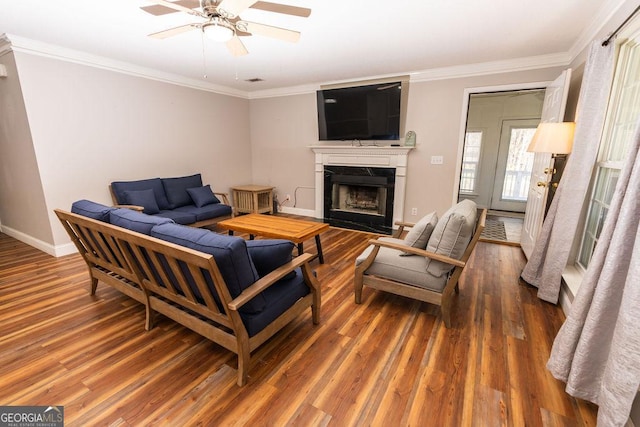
x=553, y=245
x=597, y=351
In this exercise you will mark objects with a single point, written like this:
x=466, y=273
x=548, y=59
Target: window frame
x=478, y=164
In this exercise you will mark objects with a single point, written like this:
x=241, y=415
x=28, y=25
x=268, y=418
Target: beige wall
x=92, y=126
x=282, y=129
x=22, y=205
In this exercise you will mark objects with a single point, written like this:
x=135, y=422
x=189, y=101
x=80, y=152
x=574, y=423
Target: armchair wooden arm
x=132, y=207
x=224, y=197
x=401, y=226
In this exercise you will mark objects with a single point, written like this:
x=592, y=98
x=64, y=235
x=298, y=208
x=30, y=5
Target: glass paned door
x=513, y=172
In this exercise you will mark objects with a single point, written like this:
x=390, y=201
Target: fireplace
x=359, y=198
x=364, y=214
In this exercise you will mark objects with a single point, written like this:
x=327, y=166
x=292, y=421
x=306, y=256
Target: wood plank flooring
x=387, y=362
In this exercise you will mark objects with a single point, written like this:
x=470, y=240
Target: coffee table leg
x=319, y=246
x=230, y=232
x=300, y=248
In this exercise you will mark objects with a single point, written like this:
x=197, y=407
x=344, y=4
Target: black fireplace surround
x=359, y=198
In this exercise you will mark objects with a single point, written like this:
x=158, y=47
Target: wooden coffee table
x=277, y=227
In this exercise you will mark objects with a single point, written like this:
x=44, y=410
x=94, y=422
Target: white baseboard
x=297, y=211
x=56, y=251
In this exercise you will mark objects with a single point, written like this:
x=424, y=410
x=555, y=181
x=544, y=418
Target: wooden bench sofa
x=227, y=297
x=183, y=199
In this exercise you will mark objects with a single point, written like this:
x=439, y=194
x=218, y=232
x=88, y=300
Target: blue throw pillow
x=202, y=196
x=144, y=198
x=267, y=255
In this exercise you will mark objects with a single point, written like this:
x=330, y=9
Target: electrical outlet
x=414, y=211
x=437, y=160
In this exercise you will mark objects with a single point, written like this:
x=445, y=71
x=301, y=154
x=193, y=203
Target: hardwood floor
x=387, y=362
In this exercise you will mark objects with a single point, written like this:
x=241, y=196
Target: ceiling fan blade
x=233, y=8
x=162, y=7
x=282, y=8
x=269, y=31
x=236, y=47
x=173, y=31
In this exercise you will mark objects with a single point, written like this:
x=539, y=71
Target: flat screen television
x=370, y=112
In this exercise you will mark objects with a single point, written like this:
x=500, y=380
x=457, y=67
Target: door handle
x=542, y=184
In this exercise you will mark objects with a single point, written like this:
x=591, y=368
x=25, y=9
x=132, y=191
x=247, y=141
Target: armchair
x=427, y=274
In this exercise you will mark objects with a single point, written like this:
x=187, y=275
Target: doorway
x=496, y=167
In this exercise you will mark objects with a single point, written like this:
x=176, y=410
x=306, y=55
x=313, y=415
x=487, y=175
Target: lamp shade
x=218, y=31
x=556, y=138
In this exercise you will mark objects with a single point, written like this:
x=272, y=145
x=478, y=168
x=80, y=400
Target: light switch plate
x=437, y=160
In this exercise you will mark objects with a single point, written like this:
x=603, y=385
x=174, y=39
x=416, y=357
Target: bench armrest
x=132, y=207
x=268, y=280
x=224, y=197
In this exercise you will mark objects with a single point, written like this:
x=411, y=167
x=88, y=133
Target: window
x=470, y=161
x=519, y=165
x=624, y=110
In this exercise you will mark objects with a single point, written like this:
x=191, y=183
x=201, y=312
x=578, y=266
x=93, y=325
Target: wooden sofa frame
x=443, y=299
x=224, y=198
x=127, y=260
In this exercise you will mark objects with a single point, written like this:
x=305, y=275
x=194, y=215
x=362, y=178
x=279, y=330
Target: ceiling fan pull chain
x=204, y=59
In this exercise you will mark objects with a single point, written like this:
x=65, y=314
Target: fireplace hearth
x=359, y=198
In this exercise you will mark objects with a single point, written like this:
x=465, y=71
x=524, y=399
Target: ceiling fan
x=222, y=20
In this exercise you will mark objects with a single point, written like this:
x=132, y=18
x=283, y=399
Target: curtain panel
x=597, y=350
x=553, y=245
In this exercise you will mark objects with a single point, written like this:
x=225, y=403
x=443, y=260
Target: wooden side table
x=253, y=199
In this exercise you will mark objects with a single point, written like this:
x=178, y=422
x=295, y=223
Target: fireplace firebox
x=359, y=198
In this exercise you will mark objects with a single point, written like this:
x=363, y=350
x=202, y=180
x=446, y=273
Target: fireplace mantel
x=368, y=156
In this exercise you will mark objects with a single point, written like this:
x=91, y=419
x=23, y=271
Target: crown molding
x=33, y=47
x=493, y=67
x=604, y=17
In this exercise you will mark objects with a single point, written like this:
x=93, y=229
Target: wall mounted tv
x=369, y=112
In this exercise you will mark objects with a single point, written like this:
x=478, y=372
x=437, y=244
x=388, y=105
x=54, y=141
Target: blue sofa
x=183, y=199
x=234, y=292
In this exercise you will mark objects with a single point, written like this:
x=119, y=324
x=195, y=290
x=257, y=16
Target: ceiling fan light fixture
x=218, y=31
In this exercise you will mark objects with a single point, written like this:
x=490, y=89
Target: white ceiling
x=341, y=40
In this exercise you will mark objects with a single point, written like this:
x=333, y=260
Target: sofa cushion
x=136, y=221
x=179, y=217
x=411, y=270
x=92, y=210
x=278, y=298
x=202, y=196
x=176, y=189
x=206, y=212
x=451, y=235
x=230, y=253
x=119, y=187
x=418, y=236
x=145, y=198
x=269, y=254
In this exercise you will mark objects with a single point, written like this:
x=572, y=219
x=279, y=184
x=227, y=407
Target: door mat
x=494, y=230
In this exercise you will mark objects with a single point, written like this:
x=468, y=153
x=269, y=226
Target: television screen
x=370, y=112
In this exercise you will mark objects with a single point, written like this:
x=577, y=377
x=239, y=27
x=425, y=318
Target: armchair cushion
x=202, y=196
x=418, y=236
x=176, y=189
x=411, y=270
x=145, y=198
x=267, y=255
x=451, y=235
x=92, y=210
